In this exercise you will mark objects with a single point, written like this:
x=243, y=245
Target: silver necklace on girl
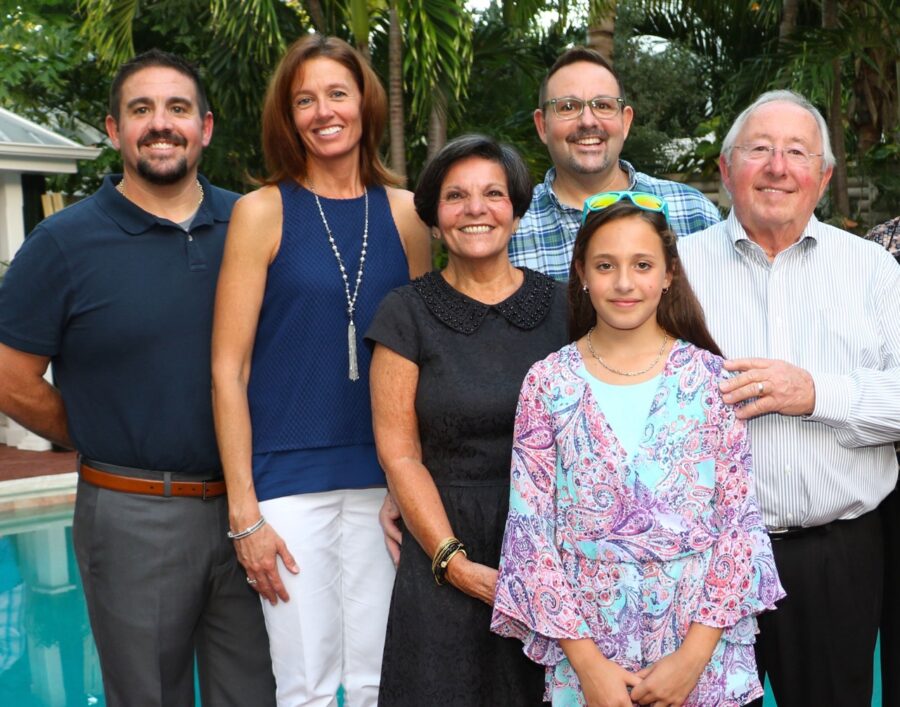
x=353, y=369
x=609, y=368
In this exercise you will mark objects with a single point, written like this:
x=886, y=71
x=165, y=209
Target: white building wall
x=12, y=225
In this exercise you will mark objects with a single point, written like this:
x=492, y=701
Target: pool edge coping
x=37, y=491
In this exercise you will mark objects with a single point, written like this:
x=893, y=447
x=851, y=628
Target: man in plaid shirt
x=583, y=120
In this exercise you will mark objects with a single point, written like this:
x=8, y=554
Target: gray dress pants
x=163, y=586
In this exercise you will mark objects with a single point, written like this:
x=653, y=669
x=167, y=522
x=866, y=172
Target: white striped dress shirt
x=830, y=304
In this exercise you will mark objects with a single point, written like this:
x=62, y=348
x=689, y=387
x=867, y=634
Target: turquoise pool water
x=47, y=654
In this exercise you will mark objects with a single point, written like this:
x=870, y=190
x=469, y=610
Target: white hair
x=787, y=97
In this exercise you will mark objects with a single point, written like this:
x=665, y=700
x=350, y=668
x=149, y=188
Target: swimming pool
x=47, y=653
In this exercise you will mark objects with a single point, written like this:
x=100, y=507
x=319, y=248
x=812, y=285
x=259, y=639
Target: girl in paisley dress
x=634, y=559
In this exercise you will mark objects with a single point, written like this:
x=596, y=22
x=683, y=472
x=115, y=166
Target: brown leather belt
x=151, y=487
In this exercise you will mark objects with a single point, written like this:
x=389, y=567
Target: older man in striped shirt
x=808, y=315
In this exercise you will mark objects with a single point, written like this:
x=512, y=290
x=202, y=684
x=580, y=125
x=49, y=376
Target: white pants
x=332, y=629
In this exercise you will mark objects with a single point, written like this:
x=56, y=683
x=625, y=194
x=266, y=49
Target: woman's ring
x=759, y=388
x=251, y=581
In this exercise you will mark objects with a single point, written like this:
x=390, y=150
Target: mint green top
x=625, y=407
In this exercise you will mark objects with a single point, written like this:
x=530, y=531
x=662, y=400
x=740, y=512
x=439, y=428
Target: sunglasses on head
x=642, y=199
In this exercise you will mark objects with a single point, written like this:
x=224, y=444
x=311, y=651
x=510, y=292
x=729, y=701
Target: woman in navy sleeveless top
x=308, y=258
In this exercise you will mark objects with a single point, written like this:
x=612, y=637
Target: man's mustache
x=582, y=134
x=163, y=135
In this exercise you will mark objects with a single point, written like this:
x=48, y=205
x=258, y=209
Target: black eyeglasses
x=569, y=108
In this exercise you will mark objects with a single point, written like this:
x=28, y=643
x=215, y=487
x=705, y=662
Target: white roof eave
x=39, y=133
x=53, y=152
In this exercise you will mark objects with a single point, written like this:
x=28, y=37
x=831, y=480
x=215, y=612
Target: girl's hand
x=605, y=684
x=476, y=580
x=673, y=677
x=669, y=680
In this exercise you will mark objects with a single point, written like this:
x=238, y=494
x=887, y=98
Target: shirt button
x=790, y=516
x=787, y=470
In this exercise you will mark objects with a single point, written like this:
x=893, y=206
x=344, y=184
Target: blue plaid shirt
x=546, y=234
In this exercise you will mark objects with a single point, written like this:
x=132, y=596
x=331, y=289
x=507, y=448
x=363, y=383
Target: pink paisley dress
x=629, y=550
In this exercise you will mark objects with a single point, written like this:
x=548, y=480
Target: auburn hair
x=285, y=154
x=679, y=312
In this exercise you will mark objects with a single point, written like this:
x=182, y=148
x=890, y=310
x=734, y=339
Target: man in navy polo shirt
x=117, y=291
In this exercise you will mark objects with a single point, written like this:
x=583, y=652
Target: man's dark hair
x=572, y=56
x=518, y=179
x=150, y=59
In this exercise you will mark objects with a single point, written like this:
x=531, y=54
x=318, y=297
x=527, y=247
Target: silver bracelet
x=247, y=531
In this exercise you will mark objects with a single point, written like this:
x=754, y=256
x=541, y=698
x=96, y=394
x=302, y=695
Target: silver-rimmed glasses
x=760, y=152
x=569, y=108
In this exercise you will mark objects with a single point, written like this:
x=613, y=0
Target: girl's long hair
x=679, y=312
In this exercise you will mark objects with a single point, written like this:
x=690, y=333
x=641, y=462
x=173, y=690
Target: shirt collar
x=550, y=177
x=134, y=220
x=525, y=308
x=630, y=171
x=736, y=232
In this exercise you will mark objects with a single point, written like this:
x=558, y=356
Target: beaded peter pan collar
x=525, y=308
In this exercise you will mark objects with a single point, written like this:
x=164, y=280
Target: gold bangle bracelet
x=441, y=549
x=443, y=567
x=442, y=558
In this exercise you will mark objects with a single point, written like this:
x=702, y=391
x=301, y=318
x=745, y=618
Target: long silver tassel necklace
x=353, y=371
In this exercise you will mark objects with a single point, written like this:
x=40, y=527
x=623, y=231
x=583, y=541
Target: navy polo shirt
x=122, y=303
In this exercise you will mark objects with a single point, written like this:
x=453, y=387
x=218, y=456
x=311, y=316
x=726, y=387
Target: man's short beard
x=576, y=165
x=166, y=178
x=578, y=168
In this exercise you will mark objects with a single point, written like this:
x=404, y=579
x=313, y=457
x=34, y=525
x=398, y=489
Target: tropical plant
x=246, y=37
x=848, y=67
x=657, y=76
x=51, y=78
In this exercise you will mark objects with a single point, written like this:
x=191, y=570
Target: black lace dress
x=472, y=358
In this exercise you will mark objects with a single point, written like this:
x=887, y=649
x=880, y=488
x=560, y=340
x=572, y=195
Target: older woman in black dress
x=451, y=350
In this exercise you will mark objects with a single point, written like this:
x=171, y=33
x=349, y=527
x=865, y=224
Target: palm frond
x=108, y=27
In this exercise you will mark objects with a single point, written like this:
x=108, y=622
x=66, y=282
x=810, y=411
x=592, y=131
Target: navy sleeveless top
x=312, y=425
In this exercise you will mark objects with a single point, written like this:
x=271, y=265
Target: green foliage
x=112, y=35
x=880, y=165
x=741, y=55
x=50, y=77
x=437, y=53
x=57, y=58
x=665, y=84
x=509, y=63
x=507, y=70
x=245, y=39
x=719, y=47
x=357, y=13
x=235, y=53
